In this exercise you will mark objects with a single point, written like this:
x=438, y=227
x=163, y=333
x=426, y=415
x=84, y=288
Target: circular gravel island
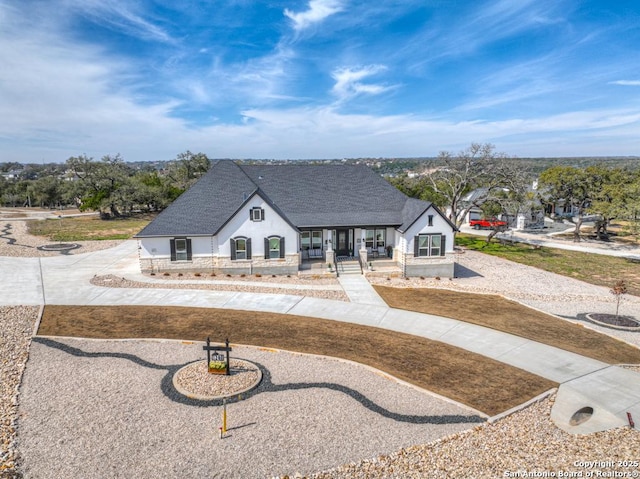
x=196, y=382
x=624, y=323
x=62, y=247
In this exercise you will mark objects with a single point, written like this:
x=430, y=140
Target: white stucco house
x=271, y=219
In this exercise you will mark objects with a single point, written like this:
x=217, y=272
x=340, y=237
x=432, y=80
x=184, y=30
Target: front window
x=181, y=249
x=429, y=245
x=375, y=238
x=274, y=248
x=316, y=239
x=241, y=248
x=368, y=241
x=311, y=240
x=305, y=240
x=436, y=244
x=423, y=245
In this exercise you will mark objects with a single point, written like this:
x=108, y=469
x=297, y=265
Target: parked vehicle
x=487, y=223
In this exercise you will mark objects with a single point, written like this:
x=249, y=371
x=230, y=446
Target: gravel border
x=110, y=412
x=314, y=291
x=16, y=327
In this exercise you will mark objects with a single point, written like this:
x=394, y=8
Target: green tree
x=105, y=185
x=576, y=186
x=187, y=168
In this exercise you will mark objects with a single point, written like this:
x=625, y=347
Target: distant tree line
x=109, y=185
x=496, y=183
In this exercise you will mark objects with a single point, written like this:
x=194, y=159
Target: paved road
x=611, y=391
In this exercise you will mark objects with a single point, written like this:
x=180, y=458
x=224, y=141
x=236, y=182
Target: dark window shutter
x=416, y=246
x=232, y=242
x=282, y=247
x=266, y=248
x=172, y=244
x=248, y=248
x=443, y=245
x=262, y=213
x=189, y=254
x=251, y=214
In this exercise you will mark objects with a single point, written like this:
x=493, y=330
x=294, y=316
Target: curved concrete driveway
x=65, y=280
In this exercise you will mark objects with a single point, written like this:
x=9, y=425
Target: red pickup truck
x=490, y=223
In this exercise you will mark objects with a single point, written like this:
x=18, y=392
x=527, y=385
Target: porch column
x=363, y=247
x=330, y=255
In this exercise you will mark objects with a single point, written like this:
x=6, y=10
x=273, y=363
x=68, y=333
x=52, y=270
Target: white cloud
x=348, y=81
x=318, y=11
x=120, y=15
x=626, y=82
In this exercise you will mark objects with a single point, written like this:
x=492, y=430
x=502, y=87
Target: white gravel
x=16, y=327
x=15, y=241
x=107, y=416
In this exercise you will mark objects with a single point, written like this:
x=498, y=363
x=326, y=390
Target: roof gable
x=205, y=207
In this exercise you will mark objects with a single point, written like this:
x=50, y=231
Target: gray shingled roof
x=305, y=195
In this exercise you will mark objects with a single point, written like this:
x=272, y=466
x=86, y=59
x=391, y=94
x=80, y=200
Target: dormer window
x=256, y=214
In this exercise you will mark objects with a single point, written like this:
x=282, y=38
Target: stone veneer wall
x=431, y=266
x=160, y=265
x=209, y=264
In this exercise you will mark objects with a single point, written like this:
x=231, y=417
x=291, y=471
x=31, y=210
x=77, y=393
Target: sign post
x=217, y=363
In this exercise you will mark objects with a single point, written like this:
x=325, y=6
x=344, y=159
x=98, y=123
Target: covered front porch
x=338, y=243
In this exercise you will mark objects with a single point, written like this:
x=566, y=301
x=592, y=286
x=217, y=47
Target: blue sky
x=317, y=78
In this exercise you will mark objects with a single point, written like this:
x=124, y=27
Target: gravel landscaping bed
x=110, y=411
x=17, y=242
x=311, y=290
x=16, y=327
x=526, y=443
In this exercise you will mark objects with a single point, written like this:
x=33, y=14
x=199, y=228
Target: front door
x=342, y=243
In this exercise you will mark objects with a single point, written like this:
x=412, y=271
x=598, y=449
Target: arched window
x=240, y=248
x=274, y=247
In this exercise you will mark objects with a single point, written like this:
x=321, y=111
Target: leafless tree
x=477, y=167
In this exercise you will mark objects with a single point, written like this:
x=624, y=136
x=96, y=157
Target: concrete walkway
x=359, y=290
x=584, y=382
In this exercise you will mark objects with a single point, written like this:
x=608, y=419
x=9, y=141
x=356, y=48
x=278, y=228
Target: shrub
x=166, y=274
x=258, y=275
x=197, y=275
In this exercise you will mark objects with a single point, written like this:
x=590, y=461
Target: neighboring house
x=271, y=219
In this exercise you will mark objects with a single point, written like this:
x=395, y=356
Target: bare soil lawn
x=511, y=317
x=482, y=383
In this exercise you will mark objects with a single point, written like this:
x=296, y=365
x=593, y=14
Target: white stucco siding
x=421, y=226
x=272, y=225
x=161, y=247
